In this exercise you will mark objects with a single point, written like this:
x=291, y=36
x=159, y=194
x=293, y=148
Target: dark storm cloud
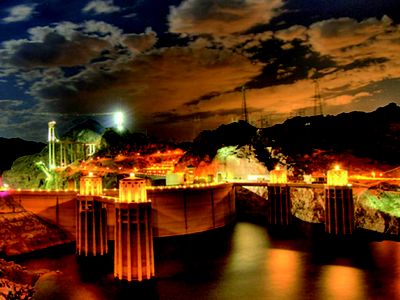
x=206, y=97
x=76, y=93
x=325, y=47
x=159, y=80
x=16, y=118
x=300, y=12
x=345, y=54
x=196, y=72
x=202, y=79
x=68, y=44
x=366, y=62
x=346, y=39
x=10, y=105
x=285, y=66
x=141, y=42
x=55, y=50
x=220, y=18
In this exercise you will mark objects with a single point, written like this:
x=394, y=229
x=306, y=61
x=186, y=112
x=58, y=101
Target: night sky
x=177, y=67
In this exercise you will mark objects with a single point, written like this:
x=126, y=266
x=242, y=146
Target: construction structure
x=64, y=152
x=91, y=222
x=133, y=236
x=52, y=145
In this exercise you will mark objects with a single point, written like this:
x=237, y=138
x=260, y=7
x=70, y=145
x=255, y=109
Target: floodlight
x=119, y=120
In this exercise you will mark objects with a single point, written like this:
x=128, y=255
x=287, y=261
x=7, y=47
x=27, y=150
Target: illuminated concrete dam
x=175, y=210
x=178, y=210
x=134, y=214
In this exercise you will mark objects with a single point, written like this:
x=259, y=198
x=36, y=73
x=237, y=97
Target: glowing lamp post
x=337, y=177
x=133, y=243
x=278, y=175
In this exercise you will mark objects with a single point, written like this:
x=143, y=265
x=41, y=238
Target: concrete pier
x=339, y=210
x=279, y=206
x=91, y=227
x=91, y=218
x=133, y=252
x=133, y=232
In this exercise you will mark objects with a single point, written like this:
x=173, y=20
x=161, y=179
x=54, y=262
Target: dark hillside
x=375, y=135
x=11, y=149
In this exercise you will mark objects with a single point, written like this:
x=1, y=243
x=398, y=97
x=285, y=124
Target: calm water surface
x=247, y=261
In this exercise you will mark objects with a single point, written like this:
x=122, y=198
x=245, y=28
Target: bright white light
x=119, y=120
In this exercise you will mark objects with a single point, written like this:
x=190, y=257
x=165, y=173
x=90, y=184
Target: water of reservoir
x=246, y=261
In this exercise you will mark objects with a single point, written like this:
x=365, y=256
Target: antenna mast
x=244, y=105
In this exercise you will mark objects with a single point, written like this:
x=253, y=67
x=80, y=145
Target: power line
x=57, y=114
x=73, y=114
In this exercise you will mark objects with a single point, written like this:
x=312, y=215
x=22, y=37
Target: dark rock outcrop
x=16, y=282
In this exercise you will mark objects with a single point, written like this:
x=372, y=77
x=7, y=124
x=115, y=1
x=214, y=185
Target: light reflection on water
x=247, y=262
x=284, y=269
x=340, y=282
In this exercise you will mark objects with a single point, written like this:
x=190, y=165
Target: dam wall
x=176, y=211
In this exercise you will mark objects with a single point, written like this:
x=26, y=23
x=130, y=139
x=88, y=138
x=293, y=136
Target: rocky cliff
x=378, y=210
x=374, y=209
x=16, y=282
x=22, y=231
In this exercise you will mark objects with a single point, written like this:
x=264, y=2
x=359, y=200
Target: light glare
x=119, y=120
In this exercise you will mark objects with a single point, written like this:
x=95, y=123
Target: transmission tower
x=317, y=99
x=196, y=124
x=52, y=145
x=244, y=105
x=263, y=121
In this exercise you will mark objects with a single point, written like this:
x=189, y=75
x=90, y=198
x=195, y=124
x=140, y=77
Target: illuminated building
x=176, y=178
x=339, y=203
x=158, y=170
x=91, y=227
x=279, y=204
x=133, y=250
